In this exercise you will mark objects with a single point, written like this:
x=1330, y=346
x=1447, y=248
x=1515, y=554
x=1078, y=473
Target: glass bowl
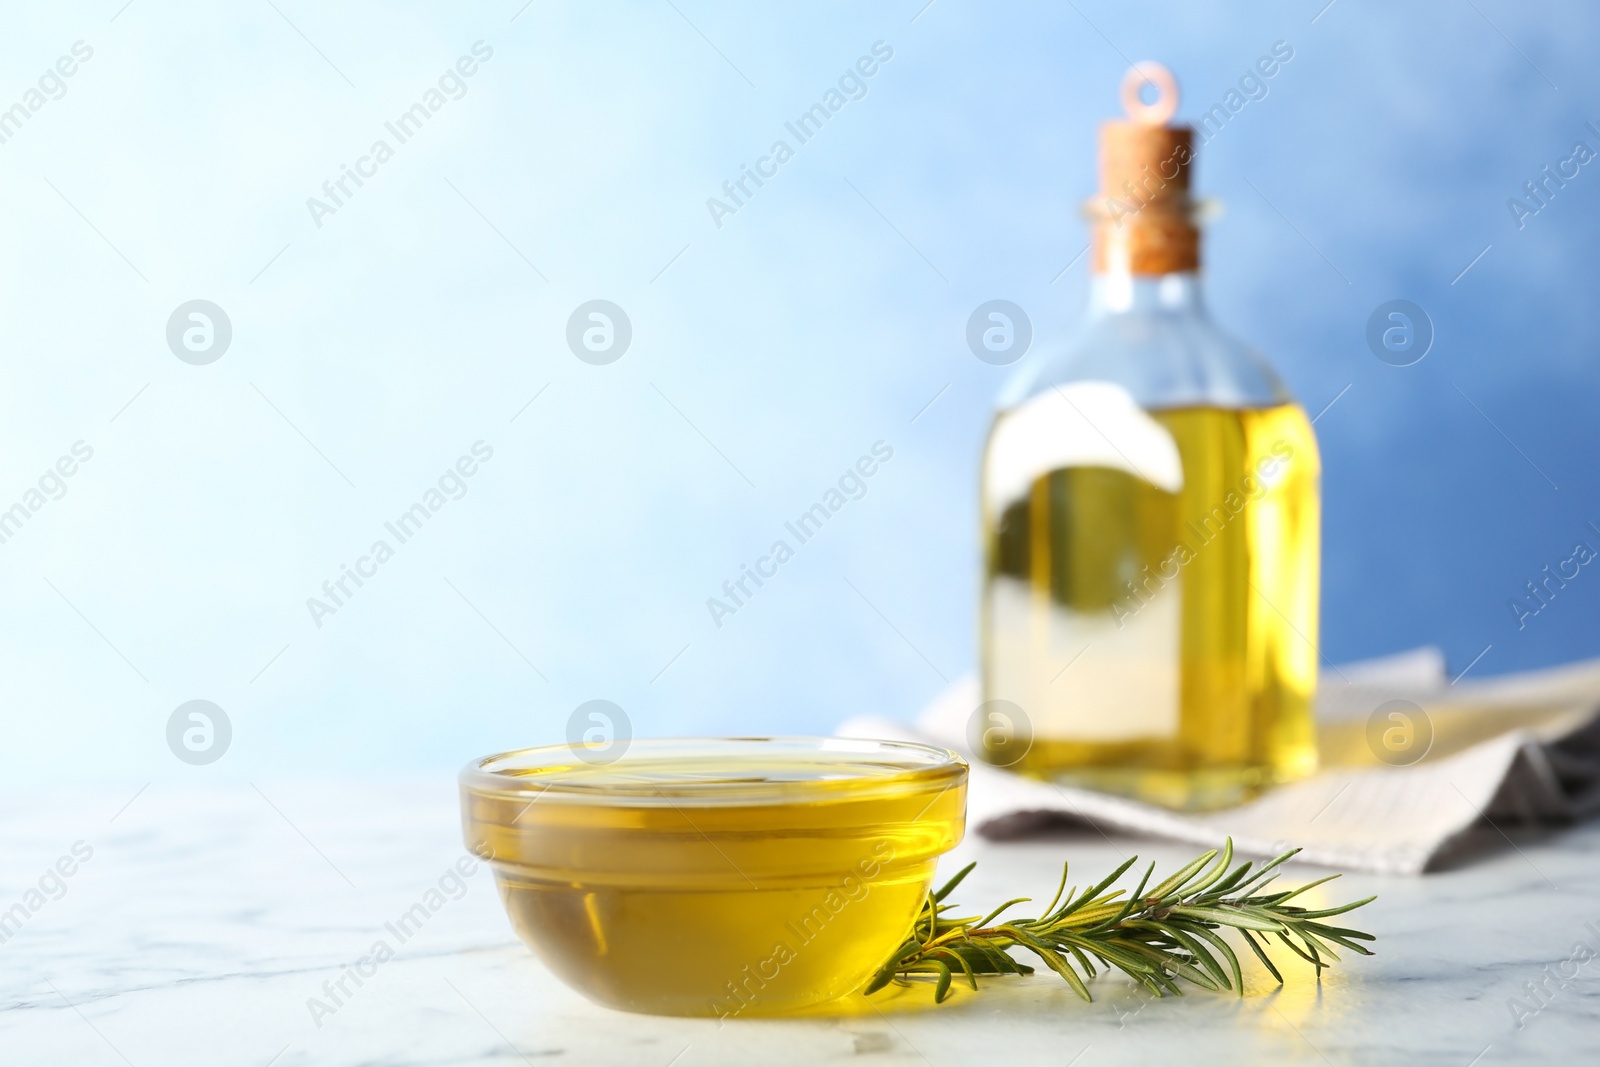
x=724, y=877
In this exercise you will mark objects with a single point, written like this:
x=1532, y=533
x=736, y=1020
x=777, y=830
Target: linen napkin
x=1506, y=751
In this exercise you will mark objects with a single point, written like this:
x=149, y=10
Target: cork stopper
x=1144, y=217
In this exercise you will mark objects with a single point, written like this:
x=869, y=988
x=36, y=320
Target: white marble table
x=205, y=919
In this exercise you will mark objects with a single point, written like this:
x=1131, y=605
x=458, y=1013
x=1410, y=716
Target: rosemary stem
x=1171, y=933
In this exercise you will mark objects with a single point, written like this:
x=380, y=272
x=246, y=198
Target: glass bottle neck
x=1124, y=293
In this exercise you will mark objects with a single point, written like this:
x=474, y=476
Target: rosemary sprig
x=1156, y=937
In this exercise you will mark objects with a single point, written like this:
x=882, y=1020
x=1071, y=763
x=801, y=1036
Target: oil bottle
x=1151, y=519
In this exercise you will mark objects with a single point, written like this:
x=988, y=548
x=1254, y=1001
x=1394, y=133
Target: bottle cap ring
x=1158, y=77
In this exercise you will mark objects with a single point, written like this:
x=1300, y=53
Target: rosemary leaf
x=1155, y=937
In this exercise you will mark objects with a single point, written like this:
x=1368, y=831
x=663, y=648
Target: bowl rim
x=919, y=765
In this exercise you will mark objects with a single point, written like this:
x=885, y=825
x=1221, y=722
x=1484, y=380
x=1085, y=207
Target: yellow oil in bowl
x=727, y=877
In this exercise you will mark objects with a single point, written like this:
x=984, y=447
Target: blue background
x=768, y=354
